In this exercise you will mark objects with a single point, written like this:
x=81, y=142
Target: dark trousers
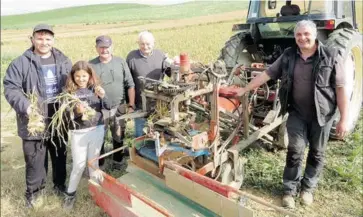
x=56, y=146
x=36, y=164
x=35, y=173
x=300, y=134
x=58, y=155
x=117, y=130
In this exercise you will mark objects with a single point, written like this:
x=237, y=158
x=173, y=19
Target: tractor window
x=259, y=9
x=347, y=11
x=253, y=10
x=266, y=12
x=321, y=7
x=277, y=30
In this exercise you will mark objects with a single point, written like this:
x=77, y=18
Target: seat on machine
x=290, y=10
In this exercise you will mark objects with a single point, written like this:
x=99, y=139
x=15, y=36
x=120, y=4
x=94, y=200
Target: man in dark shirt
x=311, y=101
x=147, y=62
x=116, y=79
x=41, y=70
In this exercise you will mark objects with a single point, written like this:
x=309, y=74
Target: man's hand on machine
x=238, y=69
x=232, y=92
x=240, y=92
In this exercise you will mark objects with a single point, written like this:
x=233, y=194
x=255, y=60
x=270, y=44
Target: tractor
x=269, y=29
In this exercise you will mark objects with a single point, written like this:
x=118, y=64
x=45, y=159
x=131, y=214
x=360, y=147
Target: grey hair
x=146, y=34
x=306, y=23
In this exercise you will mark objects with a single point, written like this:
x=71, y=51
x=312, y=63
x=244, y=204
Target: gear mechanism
x=182, y=88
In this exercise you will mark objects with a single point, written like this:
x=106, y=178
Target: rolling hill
x=113, y=13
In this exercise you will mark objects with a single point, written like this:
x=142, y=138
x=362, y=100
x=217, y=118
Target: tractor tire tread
x=342, y=40
x=231, y=52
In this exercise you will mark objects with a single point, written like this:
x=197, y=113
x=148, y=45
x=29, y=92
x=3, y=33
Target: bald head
x=146, y=35
x=146, y=42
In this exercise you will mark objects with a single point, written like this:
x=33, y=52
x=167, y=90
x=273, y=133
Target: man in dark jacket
x=40, y=70
x=312, y=88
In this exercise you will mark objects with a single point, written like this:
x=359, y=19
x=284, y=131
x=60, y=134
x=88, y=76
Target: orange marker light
x=329, y=24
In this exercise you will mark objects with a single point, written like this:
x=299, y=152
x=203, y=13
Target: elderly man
x=147, y=62
x=116, y=78
x=311, y=95
x=40, y=70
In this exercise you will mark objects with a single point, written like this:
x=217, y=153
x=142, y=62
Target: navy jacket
x=24, y=75
x=88, y=95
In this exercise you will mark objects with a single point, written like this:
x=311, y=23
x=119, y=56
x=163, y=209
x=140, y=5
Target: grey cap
x=43, y=27
x=103, y=41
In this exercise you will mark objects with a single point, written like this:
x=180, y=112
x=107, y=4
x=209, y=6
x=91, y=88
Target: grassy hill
x=111, y=13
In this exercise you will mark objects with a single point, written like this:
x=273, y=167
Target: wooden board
x=144, y=163
x=213, y=201
x=156, y=190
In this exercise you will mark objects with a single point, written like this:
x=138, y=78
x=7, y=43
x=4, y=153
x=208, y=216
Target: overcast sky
x=9, y=7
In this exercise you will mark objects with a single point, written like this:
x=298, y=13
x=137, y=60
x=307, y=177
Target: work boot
x=288, y=201
x=69, y=201
x=126, y=152
x=120, y=166
x=59, y=190
x=306, y=198
x=29, y=202
x=34, y=200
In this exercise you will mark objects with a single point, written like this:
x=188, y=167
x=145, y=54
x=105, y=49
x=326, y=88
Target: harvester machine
x=188, y=163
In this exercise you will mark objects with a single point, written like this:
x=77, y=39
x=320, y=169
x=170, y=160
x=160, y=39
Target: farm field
x=113, y=13
x=200, y=29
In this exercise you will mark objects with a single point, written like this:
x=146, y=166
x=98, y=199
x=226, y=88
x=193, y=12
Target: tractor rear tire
x=234, y=52
x=349, y=43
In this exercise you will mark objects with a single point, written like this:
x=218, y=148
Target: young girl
x=86, y=134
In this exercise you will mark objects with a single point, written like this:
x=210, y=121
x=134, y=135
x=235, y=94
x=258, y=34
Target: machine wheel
x=234, y=51
x=349, y=42
x=227, y=174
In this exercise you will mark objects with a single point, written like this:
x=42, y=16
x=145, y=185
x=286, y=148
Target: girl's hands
x=80, y=108
x=100, y=92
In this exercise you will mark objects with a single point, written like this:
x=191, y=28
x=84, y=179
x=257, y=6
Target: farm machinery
x=188, y=163
x=199, y=123
x=196, y=128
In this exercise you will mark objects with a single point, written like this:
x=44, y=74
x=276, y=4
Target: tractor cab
x=277, y=18
x=280, y=8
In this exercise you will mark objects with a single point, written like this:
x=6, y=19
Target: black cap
x=103, y=41
x=43, y=27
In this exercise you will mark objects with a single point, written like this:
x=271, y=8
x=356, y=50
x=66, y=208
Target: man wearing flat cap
x=116, y=81
x=41, y=70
